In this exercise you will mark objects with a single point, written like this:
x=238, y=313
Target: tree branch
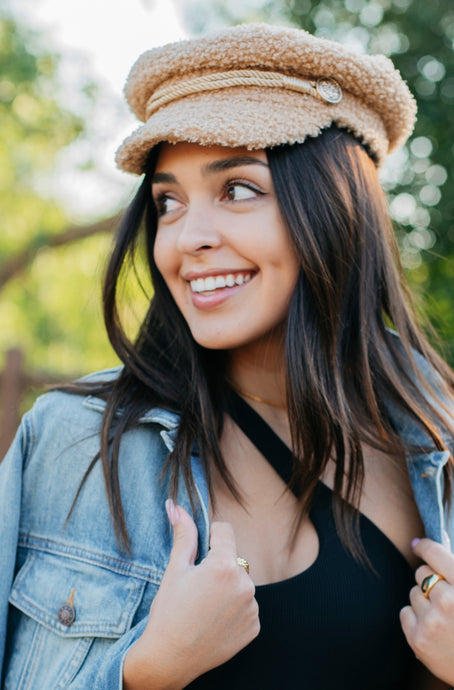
x=13, y=266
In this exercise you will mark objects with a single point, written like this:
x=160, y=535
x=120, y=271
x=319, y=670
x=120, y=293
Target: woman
x=278, y=322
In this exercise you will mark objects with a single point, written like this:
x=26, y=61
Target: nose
x=198, y=232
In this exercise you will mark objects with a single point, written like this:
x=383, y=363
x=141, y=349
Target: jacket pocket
x=67, y=612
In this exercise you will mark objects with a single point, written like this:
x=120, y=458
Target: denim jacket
x=48, y=561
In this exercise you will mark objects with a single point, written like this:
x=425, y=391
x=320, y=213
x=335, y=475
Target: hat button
x=329, y=90
x=66, y=614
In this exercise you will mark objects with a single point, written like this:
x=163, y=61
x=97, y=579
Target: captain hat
x=258, y=86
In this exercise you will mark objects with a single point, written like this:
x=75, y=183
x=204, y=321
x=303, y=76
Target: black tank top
x=334, y=626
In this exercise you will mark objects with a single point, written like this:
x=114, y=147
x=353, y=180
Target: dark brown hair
x=343, y=360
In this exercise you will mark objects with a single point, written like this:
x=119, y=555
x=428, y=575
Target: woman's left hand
x=428, y=623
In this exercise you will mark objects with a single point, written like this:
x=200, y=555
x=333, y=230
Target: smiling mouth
x=218, y=282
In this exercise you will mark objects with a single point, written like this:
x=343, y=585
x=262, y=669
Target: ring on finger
x=243, y=563
x=429, y=583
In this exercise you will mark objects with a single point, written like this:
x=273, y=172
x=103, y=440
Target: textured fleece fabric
x=377, y=106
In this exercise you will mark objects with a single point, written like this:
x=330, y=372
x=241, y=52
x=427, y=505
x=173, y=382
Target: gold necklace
x=255, y=397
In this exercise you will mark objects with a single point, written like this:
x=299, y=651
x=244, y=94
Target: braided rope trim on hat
x=324, y=88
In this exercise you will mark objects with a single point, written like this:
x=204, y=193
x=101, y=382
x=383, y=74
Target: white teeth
x=211, y=283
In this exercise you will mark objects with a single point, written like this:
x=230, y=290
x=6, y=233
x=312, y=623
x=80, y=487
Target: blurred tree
x=50, y=299
x=419, y=37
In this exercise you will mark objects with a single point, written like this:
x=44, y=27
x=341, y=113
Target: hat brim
x=253, y=117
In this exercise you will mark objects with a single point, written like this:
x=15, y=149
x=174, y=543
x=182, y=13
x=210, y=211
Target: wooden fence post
x=11, y=385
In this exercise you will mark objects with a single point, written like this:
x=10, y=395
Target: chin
x=222, y=341
x=218, y=343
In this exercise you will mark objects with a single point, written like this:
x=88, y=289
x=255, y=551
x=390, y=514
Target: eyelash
x=244, y=185
x=164, y=196
x=160, y=199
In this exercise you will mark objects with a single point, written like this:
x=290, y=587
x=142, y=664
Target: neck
x=256, y=398
x=260, y=379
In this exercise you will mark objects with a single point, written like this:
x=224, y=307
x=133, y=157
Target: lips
x=217, y=282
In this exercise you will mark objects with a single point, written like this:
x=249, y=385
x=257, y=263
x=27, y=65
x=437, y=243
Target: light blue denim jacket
x=43, y=557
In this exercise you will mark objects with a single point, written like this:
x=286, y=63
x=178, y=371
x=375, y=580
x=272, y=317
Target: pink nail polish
x=446, y=540
x=172, y=511
x=415, y=542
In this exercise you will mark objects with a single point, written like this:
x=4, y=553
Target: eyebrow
x=167, y=178
x=228, y=163
x=213, y=167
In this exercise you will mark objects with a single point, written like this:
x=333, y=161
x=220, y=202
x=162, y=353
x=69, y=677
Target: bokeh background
x=62, y=115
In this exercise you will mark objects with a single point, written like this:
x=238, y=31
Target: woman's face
x=221, y=245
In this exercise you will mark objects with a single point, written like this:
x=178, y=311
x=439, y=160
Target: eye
x=165, y=204
x=240, y=191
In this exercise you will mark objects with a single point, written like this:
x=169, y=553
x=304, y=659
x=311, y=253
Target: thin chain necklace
x=255, y=397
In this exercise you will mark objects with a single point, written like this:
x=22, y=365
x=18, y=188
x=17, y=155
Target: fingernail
x=446, y=540
x=415, y=542
x=172, y=511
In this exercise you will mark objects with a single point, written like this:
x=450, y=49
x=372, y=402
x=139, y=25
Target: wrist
x=147, y=670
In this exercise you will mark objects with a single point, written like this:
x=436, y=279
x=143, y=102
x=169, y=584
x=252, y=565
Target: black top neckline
x=324, y=495
x=280, y=457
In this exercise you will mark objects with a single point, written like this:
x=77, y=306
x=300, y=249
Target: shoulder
x=58, y=452
x=104, y=375
x=59, y=408
x=81, y=400
x=60, y=418
x=436, y=400
x=417, y=366
x=57, y=397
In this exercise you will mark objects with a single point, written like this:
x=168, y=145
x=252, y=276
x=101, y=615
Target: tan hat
x=257, y=85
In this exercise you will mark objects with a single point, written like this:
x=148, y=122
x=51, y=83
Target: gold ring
x=243, y=563
x=429, y=582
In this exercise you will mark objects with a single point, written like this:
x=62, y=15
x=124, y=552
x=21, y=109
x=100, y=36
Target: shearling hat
x=258, y=86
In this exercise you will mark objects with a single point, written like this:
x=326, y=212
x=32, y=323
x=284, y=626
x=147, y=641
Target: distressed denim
x=44, y=556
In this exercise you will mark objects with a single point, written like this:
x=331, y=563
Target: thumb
x=185, y=535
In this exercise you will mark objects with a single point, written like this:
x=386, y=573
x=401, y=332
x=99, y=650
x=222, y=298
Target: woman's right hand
x=202, y=615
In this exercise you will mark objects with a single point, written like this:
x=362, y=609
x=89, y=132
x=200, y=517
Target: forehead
x=183, y=153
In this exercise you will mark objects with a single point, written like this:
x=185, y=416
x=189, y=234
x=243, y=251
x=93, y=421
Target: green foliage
x=51, y=310
x=33, y=126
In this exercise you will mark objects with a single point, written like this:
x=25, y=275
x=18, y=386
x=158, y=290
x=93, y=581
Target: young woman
x=240, y=505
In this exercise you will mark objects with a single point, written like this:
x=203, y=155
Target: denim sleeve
x=108, y=674
x=10, y=509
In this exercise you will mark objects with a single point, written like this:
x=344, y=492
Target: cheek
x=163, y=256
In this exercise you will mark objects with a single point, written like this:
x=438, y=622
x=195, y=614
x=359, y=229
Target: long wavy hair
x=343, y=357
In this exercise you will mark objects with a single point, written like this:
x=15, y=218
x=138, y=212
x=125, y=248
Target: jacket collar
x=156, y=415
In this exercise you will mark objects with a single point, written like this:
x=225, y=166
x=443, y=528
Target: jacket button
x=430, y=471
x=66, y=614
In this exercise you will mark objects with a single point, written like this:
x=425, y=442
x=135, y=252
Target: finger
x=418, y=601
x=437, y=557
x=222, y=538
x=185, y=536
x=422, y=572
x=408, y=622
